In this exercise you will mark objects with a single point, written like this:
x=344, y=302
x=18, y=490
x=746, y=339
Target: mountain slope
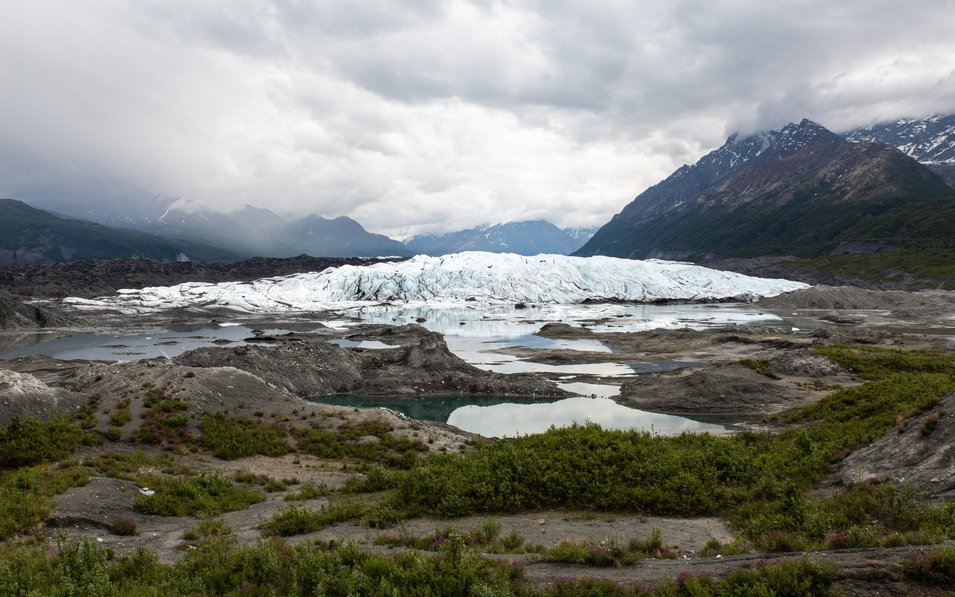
x=929, y=140
x=29, y=235
x=252, y=231
x=800, y=190
x=532, y=237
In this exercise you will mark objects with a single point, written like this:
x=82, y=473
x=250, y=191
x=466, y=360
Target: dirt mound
x=799, y=363
x=419, y=364
x=23, y=395
x=922, y=455
x=847, y=297
x=837, y=297
x=17, y=315
x=727, y=390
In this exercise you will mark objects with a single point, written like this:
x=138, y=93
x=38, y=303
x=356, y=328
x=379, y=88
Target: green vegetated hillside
x=764, y=483
x=29, y=235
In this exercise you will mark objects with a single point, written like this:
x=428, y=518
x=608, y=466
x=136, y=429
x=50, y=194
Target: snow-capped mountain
x=929, y=140
x=801, y=190
x=462, y=279
x=531, y=237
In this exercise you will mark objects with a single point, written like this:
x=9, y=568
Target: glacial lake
x=474, y=333
x=512, y=417
x=134, y=347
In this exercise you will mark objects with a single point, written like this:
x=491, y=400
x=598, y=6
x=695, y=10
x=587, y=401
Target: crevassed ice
x=458, y=278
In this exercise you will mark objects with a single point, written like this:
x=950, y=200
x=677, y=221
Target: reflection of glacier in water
x=133, y=347
x=506, y=417
x=510, y=420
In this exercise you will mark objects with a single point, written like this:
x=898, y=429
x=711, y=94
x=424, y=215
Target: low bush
x=230, y=437
x=308, y=491
x=123, y=525
x=202, y=495
x=760, y=366
x=934, y=568
x=295, y=520
x=207, y=529
x=30, y=441
x=25, y=495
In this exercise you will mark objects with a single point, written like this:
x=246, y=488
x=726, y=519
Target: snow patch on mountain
x=462, y=278
x=929, y=140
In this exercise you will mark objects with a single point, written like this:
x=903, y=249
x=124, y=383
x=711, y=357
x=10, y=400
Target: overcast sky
x=427, y=116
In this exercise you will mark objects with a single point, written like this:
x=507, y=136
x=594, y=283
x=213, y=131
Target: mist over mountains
x=531, y=237
x=800, y=190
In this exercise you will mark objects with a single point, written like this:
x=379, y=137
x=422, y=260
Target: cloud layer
x=426, y=116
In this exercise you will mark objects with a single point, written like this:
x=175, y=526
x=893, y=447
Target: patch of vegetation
x=930, y=423
x=26, y=495
x=308, y=491
x=123, y=525
x=789, y=577
x=129, y=465
x=933, y=266
x=756, y=479
x=222, y=566
x=207, y=529
x=165, y=421
x=202, y=495
x=295, y=520
x=121, y=413
x=760, y=366
x=30, y=441
x=231, y=437
x=487, y=538
x=267, y=483
x=371, y=440
x=935, y=568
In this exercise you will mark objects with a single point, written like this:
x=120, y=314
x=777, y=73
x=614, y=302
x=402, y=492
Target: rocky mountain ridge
x=800, y=190
x=930, y=140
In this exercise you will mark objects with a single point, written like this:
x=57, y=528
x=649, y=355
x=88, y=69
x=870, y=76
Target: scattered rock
x=800, y=363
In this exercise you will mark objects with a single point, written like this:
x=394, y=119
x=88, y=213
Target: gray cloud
x=427, y=116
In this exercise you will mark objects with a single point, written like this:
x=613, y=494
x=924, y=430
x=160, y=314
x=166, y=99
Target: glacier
x=460, y=278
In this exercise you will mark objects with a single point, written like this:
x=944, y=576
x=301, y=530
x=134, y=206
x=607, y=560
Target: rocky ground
x=742, y=373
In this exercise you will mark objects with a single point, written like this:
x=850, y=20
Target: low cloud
x=429, y=116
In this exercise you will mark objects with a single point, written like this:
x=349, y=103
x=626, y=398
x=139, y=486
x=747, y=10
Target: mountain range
x=29, y=235
x=800, y=190
x=257, y=232
x=530, y=237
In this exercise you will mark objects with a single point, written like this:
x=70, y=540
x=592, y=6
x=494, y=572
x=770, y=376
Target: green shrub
x=123, y=526
x=760, y=366
x=308, y=491
x=229, y=437
x=295, y=520
x=209, y=528
x=203, y=495
x=25, y=495
x=935, y=568
x=30, y=441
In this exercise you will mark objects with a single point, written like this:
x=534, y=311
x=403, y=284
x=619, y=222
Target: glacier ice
x=461, y=278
